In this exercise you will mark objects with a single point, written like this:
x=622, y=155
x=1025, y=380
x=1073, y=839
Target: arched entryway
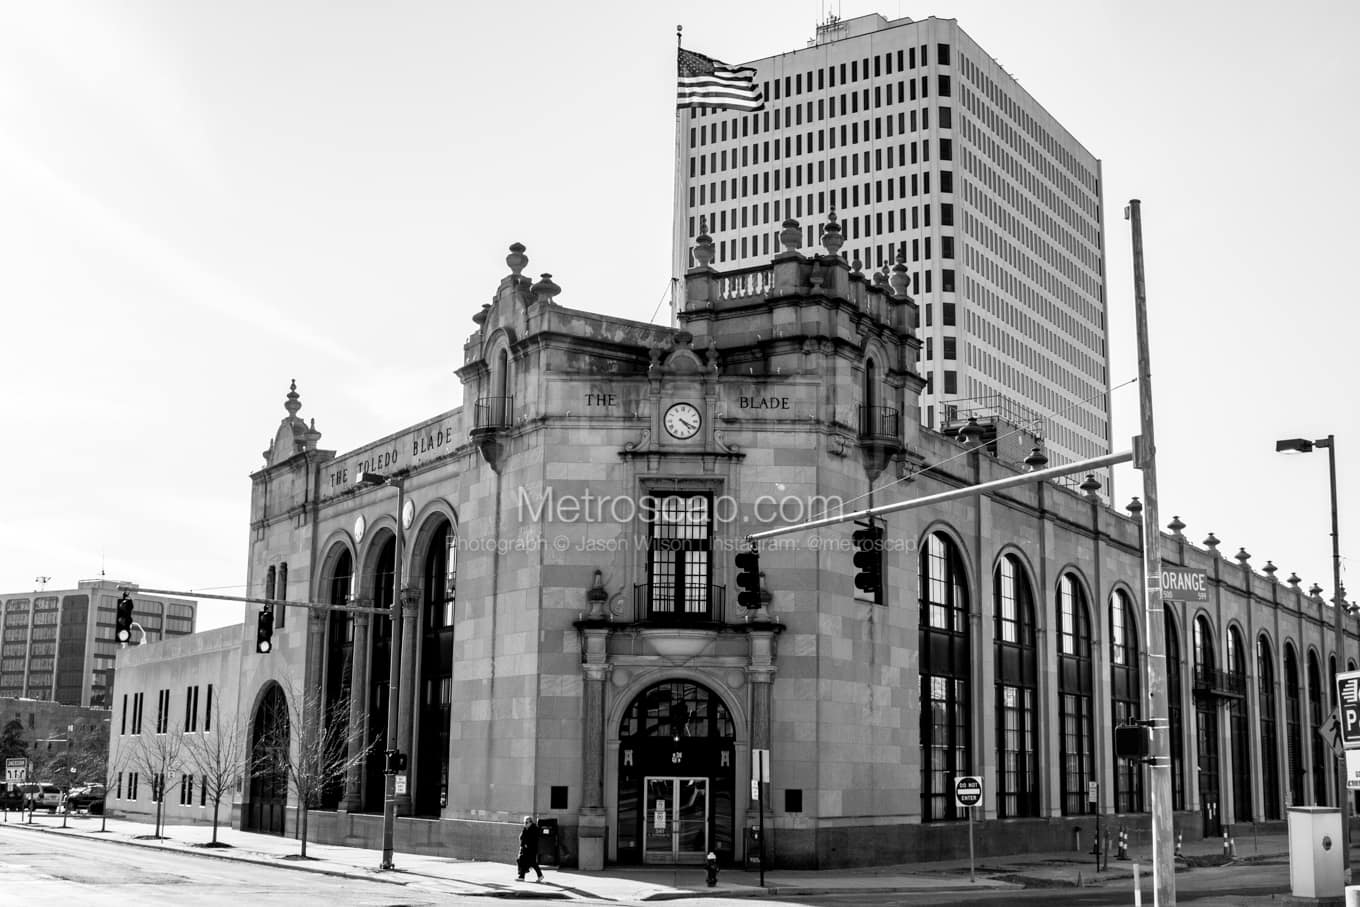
x=268, y=780
x=677, y=774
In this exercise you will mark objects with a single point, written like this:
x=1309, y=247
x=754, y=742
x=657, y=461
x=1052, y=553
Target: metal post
x=393, y=684
x=972, y=872
x=760, y=802
x=1163, y=857
x=1339, y=606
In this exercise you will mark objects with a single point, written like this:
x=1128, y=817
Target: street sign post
x=16, y=768
x=967, y=794
x=1185, y=584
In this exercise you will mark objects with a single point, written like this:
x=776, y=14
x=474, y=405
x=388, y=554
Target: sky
x=200, y=202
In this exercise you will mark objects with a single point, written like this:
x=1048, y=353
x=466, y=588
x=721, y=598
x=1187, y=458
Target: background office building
x=58, y=644
x=926, y=148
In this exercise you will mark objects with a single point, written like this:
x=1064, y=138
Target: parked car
x=11, y=796
x=87, y=796
x=43, y=795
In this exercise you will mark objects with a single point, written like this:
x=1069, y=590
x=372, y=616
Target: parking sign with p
x=1348, y=705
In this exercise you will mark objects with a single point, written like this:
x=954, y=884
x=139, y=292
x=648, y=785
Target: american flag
x=705, y=82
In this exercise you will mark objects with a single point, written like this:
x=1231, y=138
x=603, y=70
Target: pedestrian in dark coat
x=528, y=849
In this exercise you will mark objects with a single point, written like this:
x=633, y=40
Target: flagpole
x=678, y=248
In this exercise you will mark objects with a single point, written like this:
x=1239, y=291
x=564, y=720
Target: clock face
x=682, y=421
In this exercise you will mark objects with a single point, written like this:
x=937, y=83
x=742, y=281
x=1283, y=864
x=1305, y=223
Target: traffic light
x=396, y=762
x=869, y=560
x=748, y=579
x=1132, y=741
x=122, y=624
x=264, y=630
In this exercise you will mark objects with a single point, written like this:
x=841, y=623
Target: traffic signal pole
x=1163, y=852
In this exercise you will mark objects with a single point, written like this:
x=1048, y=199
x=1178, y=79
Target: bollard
x=1232, y=848
x=1179, y=839
x=1076, y=838
x=1225, y=842
x=711, y=865
x=1123, y=845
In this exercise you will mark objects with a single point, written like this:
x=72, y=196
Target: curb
x=244, y=856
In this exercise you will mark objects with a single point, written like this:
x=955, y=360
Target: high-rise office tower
x=59, y=645
x=923, y=146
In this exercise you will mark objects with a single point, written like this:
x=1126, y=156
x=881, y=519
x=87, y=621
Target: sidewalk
x=1262, y=861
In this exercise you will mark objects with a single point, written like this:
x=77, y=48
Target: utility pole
x=1145, y=459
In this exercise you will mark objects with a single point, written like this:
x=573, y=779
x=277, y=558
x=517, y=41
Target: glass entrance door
x=676, y=820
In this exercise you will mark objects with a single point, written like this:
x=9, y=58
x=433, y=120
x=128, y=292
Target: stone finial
x=479, y=318
x=703, y=248
x=1269, y=570
x=1135, y=508
x=832, y=237
x=791, y=236
x=1294, y=580
x=597, y=595
x=856, y=266
x=1176, y=526
x=901, y=281
x=1242, y=556
x=1211, y=542
x=1090, y=485
x=516, y=259
x=294, y=402
x=971, y=433
x=881, y=277
x=1315, y=591
x=1037, y=459
x=545, y=289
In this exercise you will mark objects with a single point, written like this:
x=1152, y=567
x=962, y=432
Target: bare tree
x=120, y=760
x=160, y=757
x=219, y=758
x=322, y=754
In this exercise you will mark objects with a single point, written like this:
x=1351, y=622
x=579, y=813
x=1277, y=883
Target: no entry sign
x=968, y=791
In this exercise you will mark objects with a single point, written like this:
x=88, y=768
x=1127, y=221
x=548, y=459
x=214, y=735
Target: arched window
x=1270, y=752
x=1331, y=687
x=1239, y=738
x=1124, y=673
x=1075, y=708
x=1206, y=713
x=946, y=715
x=1017, y=718
x=339, y=664
x=1315, y=723
x=431, y=771
x=1175, y=713
x=1293, y=718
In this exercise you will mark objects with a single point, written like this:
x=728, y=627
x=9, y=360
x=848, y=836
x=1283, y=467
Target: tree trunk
x=217, y=806
x=302, y=809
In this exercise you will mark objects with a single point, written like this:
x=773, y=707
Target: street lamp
x=394, y=660
x=1303, y=445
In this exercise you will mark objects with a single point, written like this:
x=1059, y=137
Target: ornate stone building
x=572, y=644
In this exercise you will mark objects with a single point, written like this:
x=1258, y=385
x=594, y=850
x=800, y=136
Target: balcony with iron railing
x=687, y=606
x=1220, y=684
x=880, y=423
x=493, y=413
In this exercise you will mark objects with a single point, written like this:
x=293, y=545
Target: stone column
x=592, y=827
x=358, y=714
x=408, y=697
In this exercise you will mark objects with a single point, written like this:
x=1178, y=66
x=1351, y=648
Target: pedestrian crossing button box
x=1315, y=859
